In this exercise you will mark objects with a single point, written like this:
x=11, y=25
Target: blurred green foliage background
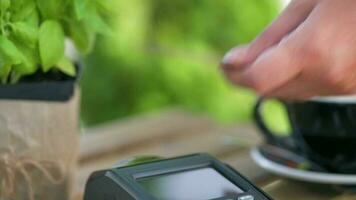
x=166, y=53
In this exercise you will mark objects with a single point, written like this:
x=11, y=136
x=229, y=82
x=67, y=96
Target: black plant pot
x=42, y=87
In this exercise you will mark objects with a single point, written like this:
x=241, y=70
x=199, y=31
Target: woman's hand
x=310, y=50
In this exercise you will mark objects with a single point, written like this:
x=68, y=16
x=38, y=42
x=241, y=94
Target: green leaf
x=25, y=33
x=33, y=19
x=25, y=69
x=4, y=73
x=140, y=160
x=18, y=4
x=82, y=37
x=50, y=9
x=80, y=7
x=106, y=6
x=66, y=66
x=22, y=9
x=96, y=22
x=5, y=4
x=31, y=61
x=51, y=44
x=9, y=52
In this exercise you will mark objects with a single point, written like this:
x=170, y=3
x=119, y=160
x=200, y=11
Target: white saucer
x=308, y=176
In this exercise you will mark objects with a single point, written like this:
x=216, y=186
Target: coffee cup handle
x=271, y=138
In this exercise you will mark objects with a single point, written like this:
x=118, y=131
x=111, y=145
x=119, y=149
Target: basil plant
x=33, y=34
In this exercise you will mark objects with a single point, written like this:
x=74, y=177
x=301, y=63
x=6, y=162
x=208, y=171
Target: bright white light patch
x=284, y=3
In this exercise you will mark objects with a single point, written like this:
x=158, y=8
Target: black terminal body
x=192, y=177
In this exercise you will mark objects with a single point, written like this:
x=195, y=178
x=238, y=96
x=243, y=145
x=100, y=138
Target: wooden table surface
x=174, y=133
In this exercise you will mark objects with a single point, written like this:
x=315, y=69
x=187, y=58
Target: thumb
x=235, y=58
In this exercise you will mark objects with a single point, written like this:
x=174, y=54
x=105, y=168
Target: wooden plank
x=293, y=190
x=346, y=197
x=136, y=132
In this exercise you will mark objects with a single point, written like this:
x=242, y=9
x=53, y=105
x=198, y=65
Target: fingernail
x=229, y=57
x=234, y=56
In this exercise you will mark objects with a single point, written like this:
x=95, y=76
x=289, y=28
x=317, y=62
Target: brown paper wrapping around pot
x=38, y=149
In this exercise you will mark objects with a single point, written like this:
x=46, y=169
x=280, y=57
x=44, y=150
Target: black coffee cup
x=323, y=130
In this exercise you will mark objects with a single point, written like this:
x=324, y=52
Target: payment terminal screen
x=198, y=184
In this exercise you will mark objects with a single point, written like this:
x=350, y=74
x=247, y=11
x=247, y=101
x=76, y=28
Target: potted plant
x=38, y=93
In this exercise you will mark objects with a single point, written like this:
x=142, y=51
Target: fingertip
x=235, y=58
x=229, y=57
